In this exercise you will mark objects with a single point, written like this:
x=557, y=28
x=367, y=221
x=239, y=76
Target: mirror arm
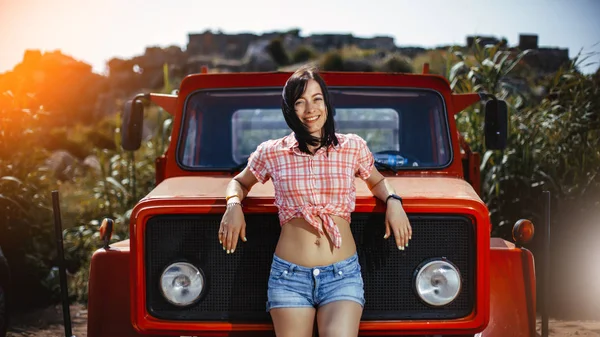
x=485, y=96
x=139, y=97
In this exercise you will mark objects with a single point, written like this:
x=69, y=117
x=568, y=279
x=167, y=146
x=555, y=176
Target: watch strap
x=393, y=196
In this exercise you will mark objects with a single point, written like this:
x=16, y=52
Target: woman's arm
x=396, y=220
x=378, y=185
x=240, y=185
x=233, y=224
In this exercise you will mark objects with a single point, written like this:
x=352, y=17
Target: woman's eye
x=299, y=103
x=319, y=99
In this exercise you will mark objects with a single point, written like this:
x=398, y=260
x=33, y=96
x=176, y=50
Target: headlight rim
x=202, y=292
x=422, y=265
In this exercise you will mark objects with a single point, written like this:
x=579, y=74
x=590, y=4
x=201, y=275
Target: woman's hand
x=233, y=225
x=397, y=222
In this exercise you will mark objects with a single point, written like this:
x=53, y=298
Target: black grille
x=237, y=283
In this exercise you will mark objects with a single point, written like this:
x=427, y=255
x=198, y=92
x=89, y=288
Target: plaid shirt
x=313, y=186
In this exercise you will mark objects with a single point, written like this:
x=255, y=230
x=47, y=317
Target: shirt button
x=316, y=272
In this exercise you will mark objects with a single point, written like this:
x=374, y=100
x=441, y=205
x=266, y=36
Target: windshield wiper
x=239, y=167
x=385, y=166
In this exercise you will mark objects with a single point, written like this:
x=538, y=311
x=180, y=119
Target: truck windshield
x=404, y=128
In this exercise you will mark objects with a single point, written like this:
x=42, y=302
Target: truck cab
x=454, y=279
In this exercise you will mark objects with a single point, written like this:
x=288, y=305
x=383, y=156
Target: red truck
x=488, y=286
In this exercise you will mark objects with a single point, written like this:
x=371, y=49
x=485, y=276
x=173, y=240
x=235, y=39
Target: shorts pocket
x=350, y=269
x=278, y=273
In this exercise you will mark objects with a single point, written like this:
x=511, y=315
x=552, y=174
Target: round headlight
x=181, y=283
x=438, y=282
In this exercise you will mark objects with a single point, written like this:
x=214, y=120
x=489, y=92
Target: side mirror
x=131, y=125
x=496, y=124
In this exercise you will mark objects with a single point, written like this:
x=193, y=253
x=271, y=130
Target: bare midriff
x=301, y=244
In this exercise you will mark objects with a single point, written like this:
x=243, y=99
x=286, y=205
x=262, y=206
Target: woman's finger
x=405, y=235
x=220, y=234
x=228, y=240
x=387, y=230
x=224, y=236
x=234, y=240
x=243, y=233
x=398, y=236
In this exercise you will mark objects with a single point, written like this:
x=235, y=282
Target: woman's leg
x=339, y=319
x=293, y=322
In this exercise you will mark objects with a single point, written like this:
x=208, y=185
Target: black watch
x=393, y=196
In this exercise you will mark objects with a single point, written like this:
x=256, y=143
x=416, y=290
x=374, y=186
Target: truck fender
x=108, y=294
x=512, y=291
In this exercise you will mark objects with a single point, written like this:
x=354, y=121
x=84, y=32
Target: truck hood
x=411, y=189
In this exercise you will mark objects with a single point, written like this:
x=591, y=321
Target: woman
x=315, y=270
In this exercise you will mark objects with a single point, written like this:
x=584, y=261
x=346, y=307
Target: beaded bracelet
x=234, y=203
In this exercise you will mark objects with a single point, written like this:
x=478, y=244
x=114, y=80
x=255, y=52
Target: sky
x=95, y=31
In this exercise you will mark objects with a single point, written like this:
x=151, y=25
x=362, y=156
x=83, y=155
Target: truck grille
x=237, y=283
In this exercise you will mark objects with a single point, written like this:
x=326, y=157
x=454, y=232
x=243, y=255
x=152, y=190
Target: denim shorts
x=293, y=286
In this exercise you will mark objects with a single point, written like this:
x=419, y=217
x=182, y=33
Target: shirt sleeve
x=365, y=160
x=259, y=165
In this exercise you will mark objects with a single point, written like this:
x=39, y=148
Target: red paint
x=167, y=102
x=463, y=101
x=160, y=166
x=509, y=315
x=108, y=311
x=195, y=195
x=425, y=68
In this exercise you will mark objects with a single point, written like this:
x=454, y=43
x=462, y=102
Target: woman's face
x=311, y=109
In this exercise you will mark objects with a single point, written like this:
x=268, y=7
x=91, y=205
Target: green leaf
x=486, y=158
x=12, y=179
x=13, y=202
x=116, y=184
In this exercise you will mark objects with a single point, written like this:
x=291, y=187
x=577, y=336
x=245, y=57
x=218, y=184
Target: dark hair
x=293, y=89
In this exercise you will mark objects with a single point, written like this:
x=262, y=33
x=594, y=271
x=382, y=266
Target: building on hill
x=219, y=44
x=483, y=40
x=236, y=45
x=204, y=48
x=542, y=59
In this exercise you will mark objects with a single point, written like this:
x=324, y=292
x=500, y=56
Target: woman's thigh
x=339, y=319
x=293, y=322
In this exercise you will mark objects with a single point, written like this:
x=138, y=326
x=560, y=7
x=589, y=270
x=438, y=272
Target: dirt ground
x=571, y=328
x=48, y=323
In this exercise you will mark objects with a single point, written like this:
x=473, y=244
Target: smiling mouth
x=312, y=119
